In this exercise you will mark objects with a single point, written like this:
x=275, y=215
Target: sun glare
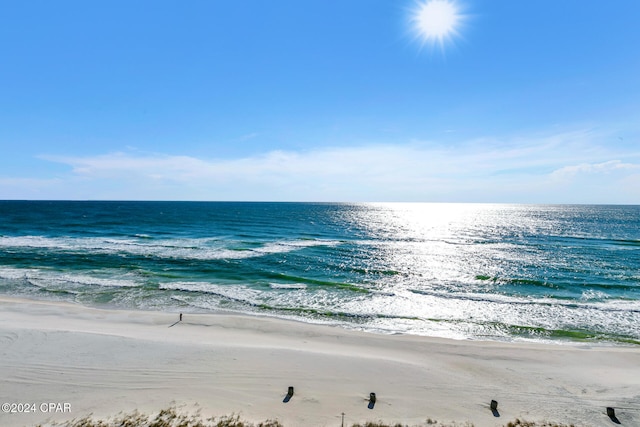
x=436, y=21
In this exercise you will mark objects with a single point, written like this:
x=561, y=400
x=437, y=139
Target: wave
x=314, y=282
x=538, y=333
x=601, y=240
x=46, y=279
x=296, y=286
x=244, y=298
x=183, y=248
x=511, y=327
x=262, y=300
x=630, y=284
x=245, y=291
x=613, y=305
x=610, y=317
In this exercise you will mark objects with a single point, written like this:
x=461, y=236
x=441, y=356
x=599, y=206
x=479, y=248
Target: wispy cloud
x=595, y=168
x=247, y=137
x=538, y=169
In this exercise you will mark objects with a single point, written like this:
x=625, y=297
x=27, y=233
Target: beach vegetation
x=169, y=417
x=429, y=422
x=521, y=423
x=172, y=417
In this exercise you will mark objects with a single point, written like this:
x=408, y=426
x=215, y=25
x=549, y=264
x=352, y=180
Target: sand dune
x=107, y=361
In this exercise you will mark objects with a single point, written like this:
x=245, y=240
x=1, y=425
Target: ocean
x=550, y=273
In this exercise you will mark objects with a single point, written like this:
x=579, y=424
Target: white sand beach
x=107, y=361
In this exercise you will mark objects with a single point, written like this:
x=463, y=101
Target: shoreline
x=198, y=311
x=103, y=362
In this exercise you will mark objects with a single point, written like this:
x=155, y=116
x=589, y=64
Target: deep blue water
x=502, y=272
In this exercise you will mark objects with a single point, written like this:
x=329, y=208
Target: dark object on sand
x=289, y=394
x=372, y=400
x=181, y=317
x=611, y=413
x=494, y=408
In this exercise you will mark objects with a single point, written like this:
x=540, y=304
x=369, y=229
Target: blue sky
x=320, y=100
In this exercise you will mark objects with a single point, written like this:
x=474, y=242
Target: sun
x=436, y=21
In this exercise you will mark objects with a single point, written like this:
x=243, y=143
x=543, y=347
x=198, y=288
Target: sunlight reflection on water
x=485, y=270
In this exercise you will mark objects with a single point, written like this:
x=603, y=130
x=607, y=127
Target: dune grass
x=171, y=417
x=166, y=418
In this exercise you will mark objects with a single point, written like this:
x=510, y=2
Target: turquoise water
x=498, y=272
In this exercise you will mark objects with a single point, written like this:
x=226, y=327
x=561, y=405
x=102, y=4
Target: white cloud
x=550, y=168
x=594, y=168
